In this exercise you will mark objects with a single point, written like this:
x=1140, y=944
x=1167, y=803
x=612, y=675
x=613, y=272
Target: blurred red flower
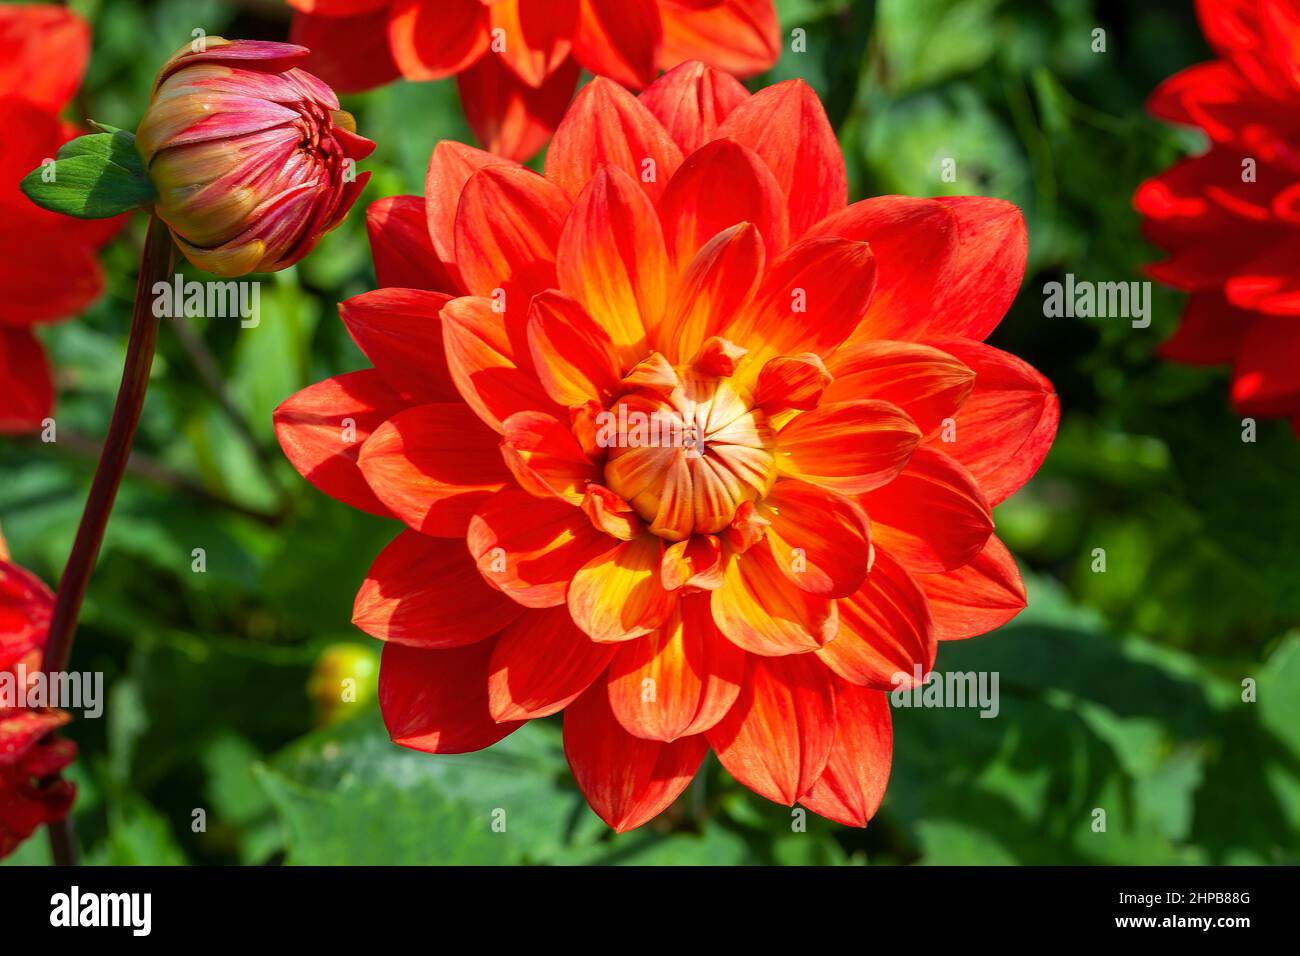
x=517, y=61
x=819, y=517
x=31, y=794
x=48, y=269
x=1230, y=218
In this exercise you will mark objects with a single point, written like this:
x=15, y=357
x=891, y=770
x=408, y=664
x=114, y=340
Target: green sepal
x=93, y=177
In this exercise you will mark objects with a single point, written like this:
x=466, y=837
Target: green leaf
x=908, y=141
x=930, y=40
x=349, y=795
x=715, y=846
x=94, y=177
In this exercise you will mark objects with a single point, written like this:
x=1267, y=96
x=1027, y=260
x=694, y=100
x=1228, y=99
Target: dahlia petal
x=787, y=126
x=43, y=275
x=427, y=592
x=24, y=807
x=851, y=787
x=654, y=374
x=792, y=382
x=1229, y=25
x=627, y=780
x=507, y=229
x=992, y=247
x=1005, y=428
x=886, y=629
x=617, y=595
x=545, y=458
x=819, y=539
x=536, y=37
x=28, y=397
x=761, y=610
x=719, y=185
x=975, y=599
x=611, y=514
x=20, y=731
x=400, y=246
x=26, y=605
x=679, y=680
x=1266, y=373
x=350, y=53
x=43, y=53
x=606, y=125
x=694, y=562
x=915, y=243
x=719, y=356
x=530, y=548
x=618, y=38
x=268, y=57
x=1204, y=263
x=691, y=101
x=811, y=298
x=481, y=360
x=322, y=429
x=437, y=700
x=32, y=132
x=932, y=516
x=1236, y=30
x=1211, y=331
x=509, y=116
x=540, y=665
x=573, y=356
x=430, y=41
x=1209, y=95
x=337, y=8
x=927, y=383
x=1267, y=283
x=740, y=36
x=849, y=447
x=612, y=260
x=718, y=283
x=450, y=167
x=400, y=332
x=1201, y=194
x=433, y=465
x=777, y=737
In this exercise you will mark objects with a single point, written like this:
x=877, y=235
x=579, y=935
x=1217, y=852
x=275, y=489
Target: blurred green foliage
x=1121, y=690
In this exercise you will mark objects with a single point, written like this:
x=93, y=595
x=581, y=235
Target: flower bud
x=345, y=674
x=252, y=159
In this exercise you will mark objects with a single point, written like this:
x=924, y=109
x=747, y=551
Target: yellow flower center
x=687, y=457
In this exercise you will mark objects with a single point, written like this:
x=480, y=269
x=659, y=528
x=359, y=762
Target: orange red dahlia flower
x=1230, y=218
x=48, y=269
x=30, y=755
x=686, y=446
x=517, y=61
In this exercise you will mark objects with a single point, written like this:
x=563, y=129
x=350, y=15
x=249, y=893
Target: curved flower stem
x=155, y=266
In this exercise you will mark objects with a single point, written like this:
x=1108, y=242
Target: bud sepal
x=96, y=176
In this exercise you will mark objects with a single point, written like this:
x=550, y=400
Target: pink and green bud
x=251, y=158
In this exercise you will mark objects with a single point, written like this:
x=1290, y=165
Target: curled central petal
x=688, y=458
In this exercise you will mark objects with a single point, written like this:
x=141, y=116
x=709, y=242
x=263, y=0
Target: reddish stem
x=155, y=266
